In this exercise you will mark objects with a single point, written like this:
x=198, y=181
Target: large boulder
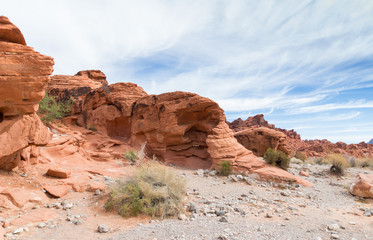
x=76, y=88
x=24, y=74
x=363, y=186
x=258, y=140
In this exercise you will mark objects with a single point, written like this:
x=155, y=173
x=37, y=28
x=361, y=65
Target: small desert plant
x=131, y=156
x=225, y=168
x=277, y=158
x=300, y=156
x=153, y=190
x=365, y=162
x=339, y=163
x=51, y=109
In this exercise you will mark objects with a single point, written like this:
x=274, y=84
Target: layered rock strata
x=24, y=74
x=76, y=88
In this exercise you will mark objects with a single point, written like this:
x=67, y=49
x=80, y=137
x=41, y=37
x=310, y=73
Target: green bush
x=131, y=156
x=277, y=158
x=153, y=190
x=50, y=109
x=225, y=168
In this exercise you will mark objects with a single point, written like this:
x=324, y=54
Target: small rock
x=67, y=206
x=182, y=217
x=223, y=219
x=239, y=177
x=335, y=236
x=42, y=225
x=18, y=231
x=200, y=172
x=97, y=192
x=24, y=175
x=78, y=221
x=333, y=227
x=269, y=215
x=352, y=223
x=102, y=228
x=220, y=213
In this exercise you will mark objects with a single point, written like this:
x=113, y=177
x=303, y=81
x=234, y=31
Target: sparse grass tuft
x=154, y=190
x=51, y=109
x=277, y=158
x=225, y=168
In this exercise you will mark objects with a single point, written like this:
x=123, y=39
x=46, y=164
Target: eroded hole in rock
x=1, y=117
x=119, y=128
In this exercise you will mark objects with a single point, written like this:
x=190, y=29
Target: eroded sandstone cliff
x=23, y=77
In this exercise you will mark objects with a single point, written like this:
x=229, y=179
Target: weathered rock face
x=24, y=74
x=189, y=130
x=185, y=129
x=9, y=32
x=258, y=140
x=294, y=144
x=363, y=186
x=108, y=109
x=76, y=87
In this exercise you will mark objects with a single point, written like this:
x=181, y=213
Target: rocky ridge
x=293, y=142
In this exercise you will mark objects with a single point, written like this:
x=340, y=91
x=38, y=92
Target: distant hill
x=371, y=141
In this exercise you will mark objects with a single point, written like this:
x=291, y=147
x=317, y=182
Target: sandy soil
x=253, y=210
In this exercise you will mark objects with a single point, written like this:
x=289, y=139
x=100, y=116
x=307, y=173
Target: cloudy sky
x=307, y=65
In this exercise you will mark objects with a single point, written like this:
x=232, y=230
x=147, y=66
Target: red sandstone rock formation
x=76, y=87
x=24, y=74
x=293, y=142
x=363, y=186
x=109, y=108
x=189, y=130
x=258, y=140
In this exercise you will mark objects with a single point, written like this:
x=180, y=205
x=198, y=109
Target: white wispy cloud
x=293, y=56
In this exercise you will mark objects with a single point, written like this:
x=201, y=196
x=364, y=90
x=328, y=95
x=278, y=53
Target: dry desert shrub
x=277, y=158
x=153, y=190
x=339, y=163
x=366, y=162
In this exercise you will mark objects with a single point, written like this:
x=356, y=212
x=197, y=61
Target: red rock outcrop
x=76, y=88
x=258, y=140
x=293, y=142
x=363, y=186
x=109, y=108
x=24, y=74
x=189, y=130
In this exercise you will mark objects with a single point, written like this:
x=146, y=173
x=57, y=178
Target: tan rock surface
x=363, y=186
x=58, y=172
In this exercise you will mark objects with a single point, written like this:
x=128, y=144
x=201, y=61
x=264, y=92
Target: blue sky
x=307, y=65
